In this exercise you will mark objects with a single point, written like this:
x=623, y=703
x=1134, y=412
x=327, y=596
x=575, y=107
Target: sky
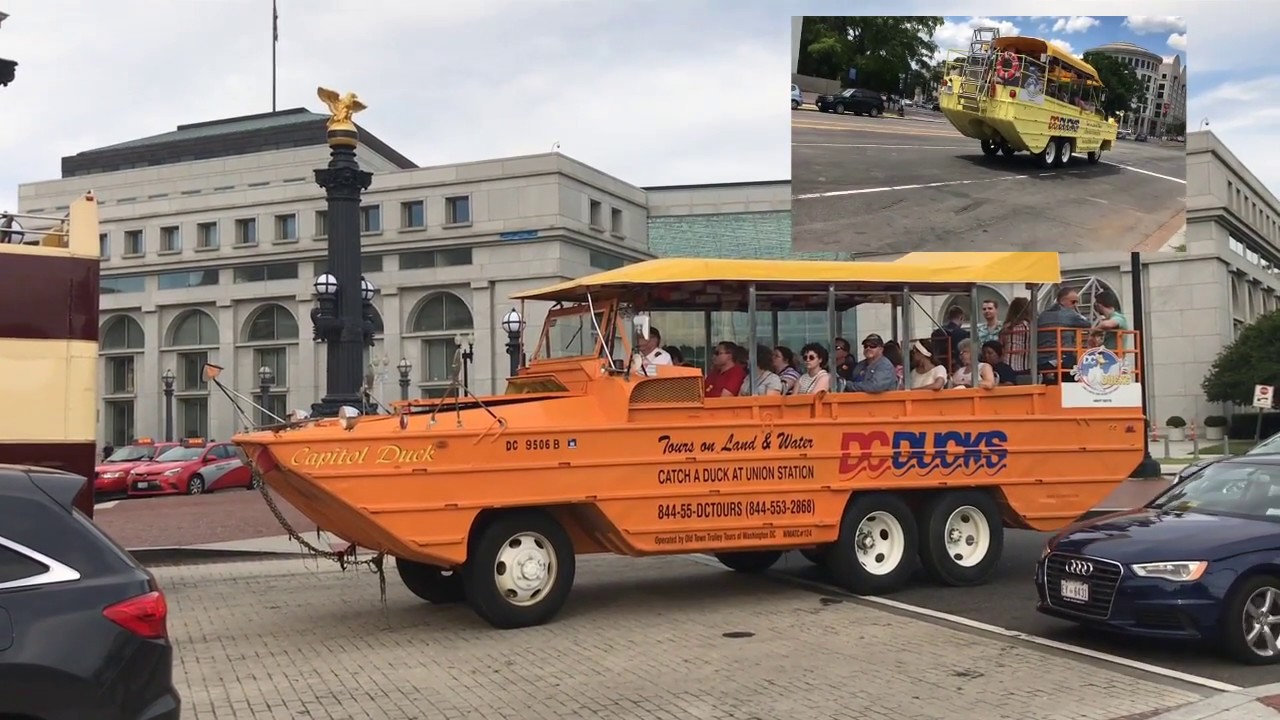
x=628, y=87
x=653, y=91
x=1165, y=36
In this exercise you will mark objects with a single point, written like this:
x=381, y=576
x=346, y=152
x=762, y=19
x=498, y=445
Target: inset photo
x=996, y=133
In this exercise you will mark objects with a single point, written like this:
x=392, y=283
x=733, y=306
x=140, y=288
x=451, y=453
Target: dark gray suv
x=854, y=100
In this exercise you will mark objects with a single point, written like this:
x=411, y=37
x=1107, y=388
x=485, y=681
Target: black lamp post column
x=513, y=324
x=467, y=356
x=167, y=378
x=266, y=379
x=341, y=318
x=405, y=367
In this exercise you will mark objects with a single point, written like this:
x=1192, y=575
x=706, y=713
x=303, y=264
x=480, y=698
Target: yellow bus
x=49, y=341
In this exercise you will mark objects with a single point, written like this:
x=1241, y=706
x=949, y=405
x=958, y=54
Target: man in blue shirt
x=874, y=373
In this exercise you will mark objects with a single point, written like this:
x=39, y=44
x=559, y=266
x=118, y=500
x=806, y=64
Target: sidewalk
x=1257, y=703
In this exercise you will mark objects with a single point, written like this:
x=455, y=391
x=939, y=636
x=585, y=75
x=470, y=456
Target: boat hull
x=1026, y=121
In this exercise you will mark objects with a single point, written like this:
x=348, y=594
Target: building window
x=122, y=284
x=368, y=264
x=269, y=271
x=371, y=219
x=271, y=323
x=170, y=239
x=444, y=257
x=122, y=333
x=438, y=319
x=286, y=228
x=322, y=223
x=615, y=221
x=104, y=246
x=193, y=417
x=457, y=210
x=277, y=404
x=605, y=261
x=191, y=372
x=182, y=280
x=413, y=214
x=595, y=214
x=119, y=416
x=247, y=231
x=206, y=235
x=120, y=375
x=195, y=328
x=133, y=243
x=437, y=360
x=276, y=358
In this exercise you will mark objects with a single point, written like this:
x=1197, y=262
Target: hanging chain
x=344, y=559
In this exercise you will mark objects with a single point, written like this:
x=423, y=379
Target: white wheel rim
x=880, y=542
x=525, y=569
x=1262, y=621
x=194, y=486
x=1050, y=151
x=1067, y=149
x=968, y=536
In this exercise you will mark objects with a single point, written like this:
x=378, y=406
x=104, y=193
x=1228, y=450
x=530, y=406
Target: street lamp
x=266, y=379
x=513, y=324
x=1204, y=123
x=467, y=356
x=342, y=318
x=167, y=378
x=405, y=367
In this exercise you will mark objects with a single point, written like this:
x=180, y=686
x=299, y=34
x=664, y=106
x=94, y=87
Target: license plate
x=1074, y=590
x=143, y=485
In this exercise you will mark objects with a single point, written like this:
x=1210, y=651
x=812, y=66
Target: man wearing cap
x=649, y=353
x=874, y=373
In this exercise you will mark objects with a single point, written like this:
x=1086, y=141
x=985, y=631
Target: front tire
x=990, y=148
x=795, y=105
x=1251, y=621
x=520, y=570
x=433, y=584
x=1094, y=156
x=839, y=109
x=749, y=561
x=961, y=537
x=195, y=485
x=876, y=550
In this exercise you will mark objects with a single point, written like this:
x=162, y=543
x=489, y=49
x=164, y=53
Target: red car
x=193, y=468
x=112, y=476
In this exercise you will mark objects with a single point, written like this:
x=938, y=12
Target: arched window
x=194, y=328
x=438, y=320
x=121, y=342
x=271, y=323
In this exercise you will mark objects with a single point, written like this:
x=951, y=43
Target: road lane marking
x=105, y=505
x=993, y=629
x=1145, y=172
x=911, y=147
x=837, y=193
x=860, y=128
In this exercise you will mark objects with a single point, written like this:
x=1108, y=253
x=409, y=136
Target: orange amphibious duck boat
x=490, y=499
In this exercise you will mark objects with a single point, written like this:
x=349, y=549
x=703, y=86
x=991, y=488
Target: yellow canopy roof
x=1027, y=45
x=690, y=278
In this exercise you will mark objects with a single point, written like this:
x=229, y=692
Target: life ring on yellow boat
x=1008, y=65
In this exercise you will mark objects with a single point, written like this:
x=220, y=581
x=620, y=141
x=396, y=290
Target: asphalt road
x=891, y=184
x=1009, y=600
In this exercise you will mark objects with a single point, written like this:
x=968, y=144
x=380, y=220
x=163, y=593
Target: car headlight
x=174, y=471
x=1179, y=571
x=111, y=475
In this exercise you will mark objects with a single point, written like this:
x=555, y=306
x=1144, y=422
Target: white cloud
x=957, y=35
x=1066, y=46
x=1074, y=24
x=1178, y=41
x=1144, y=24
x=1245, y=115
x=619, y=85
x=1042, y=28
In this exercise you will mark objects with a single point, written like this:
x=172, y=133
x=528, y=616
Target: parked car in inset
x=83, y=626
x=797, y=99
x=854, y=100
x=111, y=477
x=193, y=468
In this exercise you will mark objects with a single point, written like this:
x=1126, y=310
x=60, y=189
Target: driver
x=649, y=352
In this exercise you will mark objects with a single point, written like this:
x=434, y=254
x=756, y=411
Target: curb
x=1224, y=705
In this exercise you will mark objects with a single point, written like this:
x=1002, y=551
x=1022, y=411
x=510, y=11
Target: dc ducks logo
x=1101, y=372
x=904, y=452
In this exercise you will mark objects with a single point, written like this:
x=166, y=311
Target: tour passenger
x=875, y=372
x=1015, y=336
x=925, y=375
x=649, y=353
x=1113, y=321
x=764, y=379
x=677, y=357
x=815, y=379
x=947, y=338
x=1062, y=314
x=784, y=363
x=844, y=363
x=993, y=355
x=963, y=376
x=990, y=328
x=724, y=376
x=893, y=351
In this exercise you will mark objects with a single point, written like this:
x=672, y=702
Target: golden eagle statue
x=341, y=108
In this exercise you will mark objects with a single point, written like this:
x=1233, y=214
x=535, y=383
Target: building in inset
x=1148, y=66
x=8, y=68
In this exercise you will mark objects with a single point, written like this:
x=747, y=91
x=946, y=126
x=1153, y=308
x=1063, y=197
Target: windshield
x=180, y=454
x=847, y=93
x=132, y=453
x=1229, y=488
x=1270, y=446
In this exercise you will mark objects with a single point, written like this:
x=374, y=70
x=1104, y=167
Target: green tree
x=1125, y=90
x=1250, y=360
x=884, y=49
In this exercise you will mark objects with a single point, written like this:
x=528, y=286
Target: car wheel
x=1049, y=154
x=1094, y=156
x=1066, y=147
x=875, y=112
x=195, y=485
x=431, y=583
x=876, y=551
x=749, y=561
x=839, y=109
x=1251, y=621
x=520, y=570
x=962, y=537
x=795, y=105
x=990, y=148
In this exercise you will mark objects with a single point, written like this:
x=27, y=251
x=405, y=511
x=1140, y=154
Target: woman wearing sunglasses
x=816, y=379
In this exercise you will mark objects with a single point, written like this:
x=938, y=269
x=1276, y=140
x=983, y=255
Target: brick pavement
x=640, y=638
x=177, y=520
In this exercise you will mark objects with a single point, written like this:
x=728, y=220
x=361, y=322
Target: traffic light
x=7, y=70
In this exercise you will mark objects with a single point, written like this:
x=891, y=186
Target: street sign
x=1263, y=396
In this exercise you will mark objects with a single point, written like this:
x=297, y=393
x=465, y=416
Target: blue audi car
x=1199, y=562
